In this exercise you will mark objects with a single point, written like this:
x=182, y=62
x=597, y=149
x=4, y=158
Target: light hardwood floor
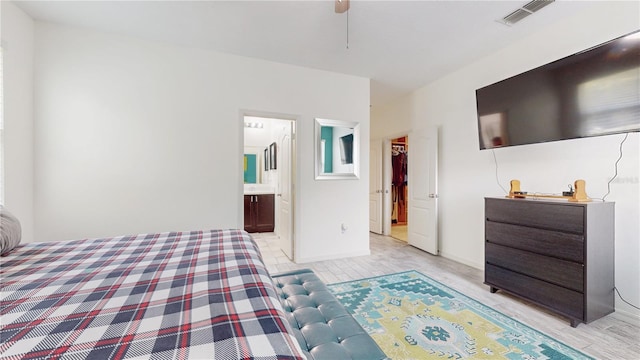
x=399, y=232
x=612, y=337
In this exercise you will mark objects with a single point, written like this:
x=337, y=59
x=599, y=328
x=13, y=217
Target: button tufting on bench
x=323, y=327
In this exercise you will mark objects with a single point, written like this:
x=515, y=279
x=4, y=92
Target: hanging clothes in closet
x=398, y=182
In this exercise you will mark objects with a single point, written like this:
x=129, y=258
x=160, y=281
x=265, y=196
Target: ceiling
x=399, y=45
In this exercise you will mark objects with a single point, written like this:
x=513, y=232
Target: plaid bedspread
x=199, y=295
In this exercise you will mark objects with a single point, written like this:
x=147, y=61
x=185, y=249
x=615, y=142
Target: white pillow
x=10, y=231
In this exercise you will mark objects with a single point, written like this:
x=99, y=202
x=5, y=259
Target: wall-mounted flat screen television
x=346, y=149
x=591, y=93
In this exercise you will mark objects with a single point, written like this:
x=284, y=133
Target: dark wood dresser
x=557, y=254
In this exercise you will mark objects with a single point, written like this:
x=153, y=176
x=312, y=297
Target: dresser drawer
x=560, y=272
x=557, y=244
x=561, y=217
x=562, y=300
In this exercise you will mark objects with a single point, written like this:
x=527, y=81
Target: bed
x=199, y=294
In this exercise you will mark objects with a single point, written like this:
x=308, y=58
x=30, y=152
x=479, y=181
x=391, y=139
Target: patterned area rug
x=412, y=316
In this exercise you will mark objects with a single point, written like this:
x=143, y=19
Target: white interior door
x=422, y=226
x=386, y=186
x=375, y=187
x=284, y=193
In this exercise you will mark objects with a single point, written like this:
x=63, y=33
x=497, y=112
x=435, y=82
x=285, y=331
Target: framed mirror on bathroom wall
x=337, y=149
x=256, y=164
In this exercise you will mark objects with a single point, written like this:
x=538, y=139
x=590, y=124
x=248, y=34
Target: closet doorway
x=399, y=188
x=410, y=189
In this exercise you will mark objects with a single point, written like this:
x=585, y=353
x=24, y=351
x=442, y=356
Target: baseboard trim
x=479, y=266
x=332, y=257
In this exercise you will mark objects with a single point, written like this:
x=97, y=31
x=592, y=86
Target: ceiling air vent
x=536, y=5
x=525, y=11
x=516, y=16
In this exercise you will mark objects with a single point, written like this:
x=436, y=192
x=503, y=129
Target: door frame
x=294, y=166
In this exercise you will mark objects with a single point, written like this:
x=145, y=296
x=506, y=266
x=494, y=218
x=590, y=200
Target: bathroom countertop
x=258, y=189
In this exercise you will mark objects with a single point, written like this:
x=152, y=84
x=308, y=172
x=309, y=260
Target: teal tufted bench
x=323, y=327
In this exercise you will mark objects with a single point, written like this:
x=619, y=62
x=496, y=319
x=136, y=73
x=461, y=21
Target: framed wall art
x=272, y=156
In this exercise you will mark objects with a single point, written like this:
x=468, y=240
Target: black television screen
x=591, y=93
x=346, y=149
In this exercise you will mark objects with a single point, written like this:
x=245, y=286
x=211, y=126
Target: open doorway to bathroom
x=269, y=168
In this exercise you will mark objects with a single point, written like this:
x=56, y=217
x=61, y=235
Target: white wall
x=133, y=136
x=467, y=175
x=17, y=48
x=392, y=120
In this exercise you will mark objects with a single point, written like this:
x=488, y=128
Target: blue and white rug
x=412, y=316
